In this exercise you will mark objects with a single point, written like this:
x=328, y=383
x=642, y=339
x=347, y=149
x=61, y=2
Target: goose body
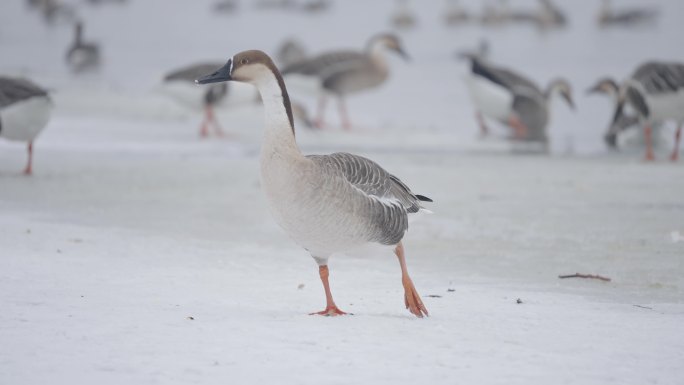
x=24, y=111
x=656, y=92
x=327, y=203
x=625, y=17
x=341, y=73
x=82, y=56
x=512, y=99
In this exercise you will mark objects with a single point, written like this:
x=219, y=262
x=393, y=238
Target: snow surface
x=138, y=253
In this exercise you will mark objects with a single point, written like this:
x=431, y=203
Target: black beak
x=221, y=75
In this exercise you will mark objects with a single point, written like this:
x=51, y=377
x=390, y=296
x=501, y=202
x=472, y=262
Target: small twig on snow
x=591, y=276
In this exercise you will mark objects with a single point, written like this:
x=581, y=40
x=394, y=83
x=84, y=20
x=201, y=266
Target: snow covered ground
x=138, y=253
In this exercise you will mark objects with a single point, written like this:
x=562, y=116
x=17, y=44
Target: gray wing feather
x=13, y=90
x=389, y=199
x=659, y=77
x=328, y=64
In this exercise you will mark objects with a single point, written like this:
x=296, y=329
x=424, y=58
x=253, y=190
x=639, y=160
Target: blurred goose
x=495, y=13
x=403, y=17
x=290, y=51
x=341, y=73
x=82, y=56
x=181, y=83
x=225, y=6
x=656, y=92
x=512, y=99
x=326, y=203
x=454, y=13
x=54, y=11
x=24, y=111
x=610, y=88
x=625, y=17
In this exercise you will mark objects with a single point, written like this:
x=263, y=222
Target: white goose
x=656, y=92
x=24, y=111
x=326, y=203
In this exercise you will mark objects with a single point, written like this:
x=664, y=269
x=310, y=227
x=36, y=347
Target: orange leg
x=204, y=128
x=648, y=137
x=519, y=129
x=346, y=124
x=29, y=169
x=484, y=130
x=330, y=307
x=211, y=119
x=675, y=151
x=321, y=110
x=411, y=297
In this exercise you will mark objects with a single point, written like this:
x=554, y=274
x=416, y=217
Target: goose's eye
x=244, y=61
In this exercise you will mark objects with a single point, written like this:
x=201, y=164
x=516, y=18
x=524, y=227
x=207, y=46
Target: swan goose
x=326, y=203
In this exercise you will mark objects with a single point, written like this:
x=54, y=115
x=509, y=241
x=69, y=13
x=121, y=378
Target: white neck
x=279, y=133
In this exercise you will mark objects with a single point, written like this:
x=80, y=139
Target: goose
x=403, y=17
x=225, y=6
x=180, y=82
x=341, y=73
x=626, y=17
x=24, y=111
x=82, y=56
x=656, y=92
x=454, y=14
x=290, y=51
x=54, y=11
x=609, y=87
x=512, y=99
x=326, y=203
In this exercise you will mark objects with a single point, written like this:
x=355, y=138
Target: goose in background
x=455, y=14
x=512, y=99
x=54, y=11
x=608, y=16
x=315, y=6
x=403, y=17
x=181, y=84
x=225, y=6
x=656, y=92
x=608, y=87
x=326, y=203
x=82, y=56
x=342, y=73
x=495, y=13
x=24, y=111
x=290, y=51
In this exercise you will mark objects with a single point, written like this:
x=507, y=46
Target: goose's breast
x=491, y=99
x=319, y=212
x=24, y=120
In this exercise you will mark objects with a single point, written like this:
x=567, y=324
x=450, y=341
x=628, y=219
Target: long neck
x=278, y=112
x=376, y=52
x=78, y=34
x=550, y=89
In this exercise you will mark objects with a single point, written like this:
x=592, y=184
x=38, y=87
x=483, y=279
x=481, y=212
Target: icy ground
x=140, y=254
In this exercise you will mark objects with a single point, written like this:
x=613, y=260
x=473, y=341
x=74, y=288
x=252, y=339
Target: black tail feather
x=423, y=198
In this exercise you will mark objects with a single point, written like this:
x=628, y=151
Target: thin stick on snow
x=591, y=276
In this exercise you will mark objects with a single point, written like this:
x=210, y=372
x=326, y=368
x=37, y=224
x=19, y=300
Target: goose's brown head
x=246, y=66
